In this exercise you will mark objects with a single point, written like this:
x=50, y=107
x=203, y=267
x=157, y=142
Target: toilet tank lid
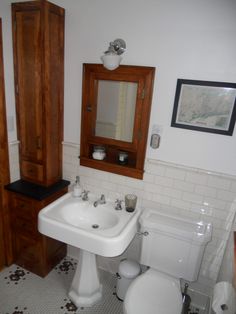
x=195, y=231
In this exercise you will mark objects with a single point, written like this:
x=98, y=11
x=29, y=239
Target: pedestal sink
x=98, y=230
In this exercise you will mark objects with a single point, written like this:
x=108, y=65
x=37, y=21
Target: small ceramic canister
x=123, y=158
x=99, y=152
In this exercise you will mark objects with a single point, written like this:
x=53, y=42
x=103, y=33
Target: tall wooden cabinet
x=38, y=42
x=38, y=49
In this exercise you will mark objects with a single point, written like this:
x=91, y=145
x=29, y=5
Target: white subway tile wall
x=191, y=193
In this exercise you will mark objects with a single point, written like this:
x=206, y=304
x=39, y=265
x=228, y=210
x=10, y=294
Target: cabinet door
x=27, y=252
x=28, y=68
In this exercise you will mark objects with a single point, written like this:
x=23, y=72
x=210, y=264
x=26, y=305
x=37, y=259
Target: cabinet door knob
x=88, y=108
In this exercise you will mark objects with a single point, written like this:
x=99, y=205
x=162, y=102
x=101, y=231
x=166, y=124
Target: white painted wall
x=191, y=39
x=8, y=67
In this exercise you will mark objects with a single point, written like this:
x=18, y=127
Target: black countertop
x=36, y=191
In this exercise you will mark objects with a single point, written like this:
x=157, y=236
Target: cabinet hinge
x=17, y=89
x=143, y=94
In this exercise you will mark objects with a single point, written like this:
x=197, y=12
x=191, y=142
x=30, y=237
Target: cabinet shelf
x=105, y=165
x=106, y=143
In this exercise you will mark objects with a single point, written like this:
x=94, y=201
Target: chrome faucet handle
x=84, y=195
x=103, y=200
x=118, y=204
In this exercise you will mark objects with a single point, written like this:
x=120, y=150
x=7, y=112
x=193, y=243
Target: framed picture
x=205, y=106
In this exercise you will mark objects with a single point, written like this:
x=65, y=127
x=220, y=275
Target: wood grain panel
x=5, y=236
x=54, y=95
x=32, y=250
x=28, y=56
x=38, y=42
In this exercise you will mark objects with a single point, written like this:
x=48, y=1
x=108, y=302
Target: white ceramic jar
x=99, y=152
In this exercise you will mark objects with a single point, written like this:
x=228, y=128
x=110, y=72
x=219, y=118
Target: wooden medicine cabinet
x=116, y=108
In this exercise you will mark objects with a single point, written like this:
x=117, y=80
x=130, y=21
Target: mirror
x=116, y=102
x=115, y=115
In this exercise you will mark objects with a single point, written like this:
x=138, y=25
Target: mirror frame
x=144, y=77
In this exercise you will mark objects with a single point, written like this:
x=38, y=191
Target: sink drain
x=95, y=226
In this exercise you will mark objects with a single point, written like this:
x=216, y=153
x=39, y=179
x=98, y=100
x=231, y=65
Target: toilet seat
x=153, y=292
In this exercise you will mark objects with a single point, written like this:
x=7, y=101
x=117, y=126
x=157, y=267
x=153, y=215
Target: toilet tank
x=173, y=245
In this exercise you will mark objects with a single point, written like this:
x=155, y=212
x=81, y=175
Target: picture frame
x=205, y=106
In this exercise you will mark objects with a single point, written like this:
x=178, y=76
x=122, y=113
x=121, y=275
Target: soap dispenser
x=77, y=188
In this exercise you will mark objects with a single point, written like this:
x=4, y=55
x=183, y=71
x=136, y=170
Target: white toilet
x=173, y=249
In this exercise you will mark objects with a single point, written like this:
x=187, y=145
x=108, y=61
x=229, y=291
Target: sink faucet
x=84, y=195
x=118, y=204
x=101, y=200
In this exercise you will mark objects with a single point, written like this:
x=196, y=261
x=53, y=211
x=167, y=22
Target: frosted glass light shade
x=111, y=61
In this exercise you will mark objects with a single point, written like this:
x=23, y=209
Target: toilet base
x=151, y=293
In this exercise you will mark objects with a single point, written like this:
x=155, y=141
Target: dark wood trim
x=112, y=167
x=5, y=235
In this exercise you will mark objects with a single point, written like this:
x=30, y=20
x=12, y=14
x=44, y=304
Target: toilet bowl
x=173, y=248
x=153, y=292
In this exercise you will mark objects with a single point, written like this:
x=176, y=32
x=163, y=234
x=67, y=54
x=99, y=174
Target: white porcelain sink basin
x=94, y=230
x=84, y=215
x=101, y=230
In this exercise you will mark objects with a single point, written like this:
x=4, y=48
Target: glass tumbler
x=130, y=202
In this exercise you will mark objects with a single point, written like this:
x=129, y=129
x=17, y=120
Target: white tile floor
x=22, y=292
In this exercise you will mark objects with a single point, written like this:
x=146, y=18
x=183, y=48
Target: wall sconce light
x=111, y=58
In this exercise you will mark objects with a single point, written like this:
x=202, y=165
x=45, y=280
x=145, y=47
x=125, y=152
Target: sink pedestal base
x=86, y=289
